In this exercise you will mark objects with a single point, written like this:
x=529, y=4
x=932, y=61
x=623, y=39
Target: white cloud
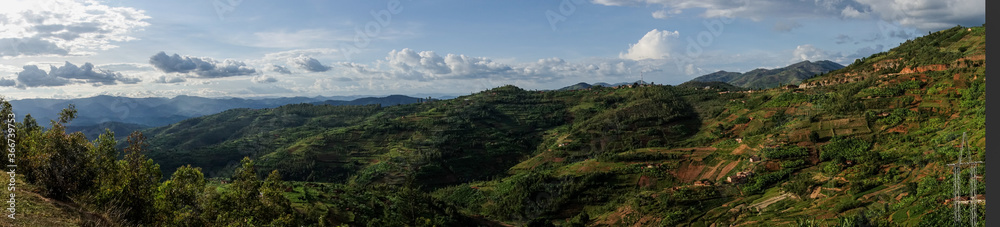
x=32, y=76
x=64, y=27
x=810, y=53
x=309, y=64
x=922, y=14
x=169, y=80
x=661, y=14
x=407, y=59
x=202, y=67
x=655, y=44
x=279, y=69
x=850, y=12
x=262, y=79
x=664, y=13
x=427, y=66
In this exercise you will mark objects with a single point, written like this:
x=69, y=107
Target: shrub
x=841, y=148
x=785, y=152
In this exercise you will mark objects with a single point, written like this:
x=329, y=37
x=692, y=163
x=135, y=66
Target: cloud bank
x=201, y=67
x=63, y=27
x=32, y=76
x=925, y=15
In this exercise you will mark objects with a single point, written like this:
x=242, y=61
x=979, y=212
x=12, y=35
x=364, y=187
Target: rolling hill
x=768, y=78
x=163, y=111
x=864, y=145
x=648, y=155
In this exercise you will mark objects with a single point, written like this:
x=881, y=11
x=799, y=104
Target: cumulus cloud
x=926, y=15
x=4, y=82
x=88, y=74
x=279, y=69
x=407, y=64
x=63, y=27
x=202, y=67
x=262, y=79
x=850, y=12
x=32, y=76
x=309, y=64
x=654, y=45
x=429, y=61
x=169, y=80
x=810, y=53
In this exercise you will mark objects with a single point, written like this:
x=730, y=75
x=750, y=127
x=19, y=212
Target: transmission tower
x=956, y=183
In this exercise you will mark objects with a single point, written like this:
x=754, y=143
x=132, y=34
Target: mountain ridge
x=768, y=78
x=159, y=111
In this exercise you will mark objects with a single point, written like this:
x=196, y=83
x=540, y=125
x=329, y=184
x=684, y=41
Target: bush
x=759, y=183
x=799, y=187
x=785, y=152
x=841, y=148
x=848, y=204
x=831, y=168
x=654, y=143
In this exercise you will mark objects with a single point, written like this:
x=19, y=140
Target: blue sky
x=247, y=48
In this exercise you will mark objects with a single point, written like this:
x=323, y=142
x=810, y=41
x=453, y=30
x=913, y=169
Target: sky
x=252, y=48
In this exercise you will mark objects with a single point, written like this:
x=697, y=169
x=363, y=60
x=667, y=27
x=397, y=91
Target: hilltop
x=769, y=78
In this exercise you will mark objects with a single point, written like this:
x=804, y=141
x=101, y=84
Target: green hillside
x=863, y=145
x=769, y=78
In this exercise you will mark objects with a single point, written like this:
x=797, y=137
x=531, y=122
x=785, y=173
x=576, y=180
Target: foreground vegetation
x=866, y=145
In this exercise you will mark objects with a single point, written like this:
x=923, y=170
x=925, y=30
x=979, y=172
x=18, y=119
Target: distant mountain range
x=385, y=101
x=757, y=78
x=127, y=114
x=768, y=78
x=583, y=85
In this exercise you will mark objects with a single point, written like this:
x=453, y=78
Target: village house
x=739, y=178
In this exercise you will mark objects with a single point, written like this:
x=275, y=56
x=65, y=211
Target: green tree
x=61, y=165
x=275, y=206
x=139, y=179
x=177, y=198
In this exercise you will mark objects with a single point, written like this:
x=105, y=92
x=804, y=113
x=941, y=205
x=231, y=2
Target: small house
x=739, y=178
x=755, y=158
